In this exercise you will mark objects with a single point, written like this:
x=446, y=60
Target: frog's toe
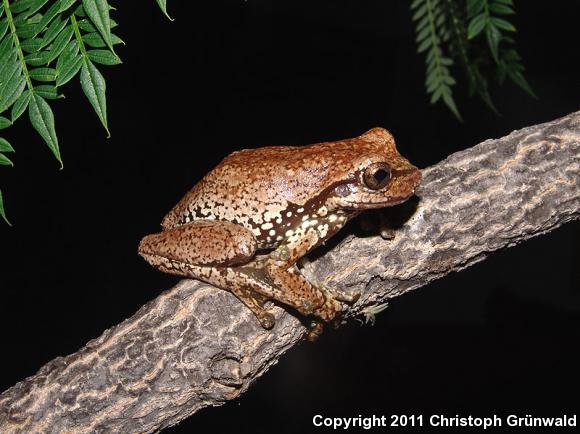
x=347, y=297
x=315, y=330
x=267, y=320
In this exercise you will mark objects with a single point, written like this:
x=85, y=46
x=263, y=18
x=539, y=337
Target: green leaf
x=36, y=5
x=449, y=102
x=95, y=40
x=4, y=123
x=71, y=50
x=162, y=4
x=86, y=25
x=65, y=4
x=48, y=91
x=11, y=91
x=5, y=161
x=31, y=45
x=20, y=6
x=94, y=86
x=48, y=16
x=3, y=27
x=518, y=78
x=80, y=11
x=43, y=74
x=5, y=146
x=27, y=30
x=424, y=45
x=420, y=12
x=53, y=31
x=2, y=212
x=476, y=25
x=423, y=33
x=6, y=46
x=474, y=7
x=98, y=12
x=8, y=69
x=500, y=23
x=42, y=120
x=104, y=57
x=38, y=59
x=60, y=42
x=69, y=69
x=20, y=105
x=499, y=9
x=493, y=36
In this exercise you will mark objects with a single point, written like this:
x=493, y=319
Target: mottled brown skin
x=245, y=225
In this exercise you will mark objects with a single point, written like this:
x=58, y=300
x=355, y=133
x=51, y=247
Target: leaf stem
x=434, y=38
x=16, y=41
x=78, y=35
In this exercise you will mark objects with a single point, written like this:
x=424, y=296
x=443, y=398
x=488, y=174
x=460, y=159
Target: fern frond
x=462, y=53
x=431, y=32
x=488, y=17
x=42, y=47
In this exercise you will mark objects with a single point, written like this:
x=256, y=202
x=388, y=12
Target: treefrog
x=247, y=223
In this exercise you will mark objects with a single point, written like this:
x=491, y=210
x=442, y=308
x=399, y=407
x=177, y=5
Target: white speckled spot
x=289, y=214
x=332, y=218
x=272, y=232
x=266, y=226
x=322, y=230
x=289, y=233
x=299, y=210
x=304, y=218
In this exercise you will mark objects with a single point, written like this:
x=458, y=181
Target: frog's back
x=254, y=186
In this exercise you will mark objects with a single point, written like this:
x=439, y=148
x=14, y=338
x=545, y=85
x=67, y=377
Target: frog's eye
x=377, y=175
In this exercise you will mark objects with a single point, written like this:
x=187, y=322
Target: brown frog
x=245, y=225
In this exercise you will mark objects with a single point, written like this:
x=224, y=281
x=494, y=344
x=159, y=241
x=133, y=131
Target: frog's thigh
x=205, y=243
x=206, y=249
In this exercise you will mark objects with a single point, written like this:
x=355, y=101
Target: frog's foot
x=337, y=294
x=314, y=331
x=255, y=302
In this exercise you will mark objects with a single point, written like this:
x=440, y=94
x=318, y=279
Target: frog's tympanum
x=245, y=225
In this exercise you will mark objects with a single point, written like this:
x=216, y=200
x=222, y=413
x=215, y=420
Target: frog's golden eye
x=377, y=175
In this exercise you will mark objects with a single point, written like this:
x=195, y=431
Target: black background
x=500, y=337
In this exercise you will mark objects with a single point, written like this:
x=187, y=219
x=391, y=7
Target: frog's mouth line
x=387, y=203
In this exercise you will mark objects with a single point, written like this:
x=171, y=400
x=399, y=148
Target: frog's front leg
x=294, y=289
x=211, y=251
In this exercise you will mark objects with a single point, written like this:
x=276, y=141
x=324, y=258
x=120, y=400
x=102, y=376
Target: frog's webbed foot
x=329, y=291
x=255, y=302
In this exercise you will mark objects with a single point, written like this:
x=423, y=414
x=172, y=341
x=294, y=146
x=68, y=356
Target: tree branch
x=196, y=345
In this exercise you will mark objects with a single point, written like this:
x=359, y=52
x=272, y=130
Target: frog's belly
x=271, y=231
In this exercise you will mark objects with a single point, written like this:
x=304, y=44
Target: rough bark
x=196, y=345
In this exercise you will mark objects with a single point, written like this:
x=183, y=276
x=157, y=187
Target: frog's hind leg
x=206, y=250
